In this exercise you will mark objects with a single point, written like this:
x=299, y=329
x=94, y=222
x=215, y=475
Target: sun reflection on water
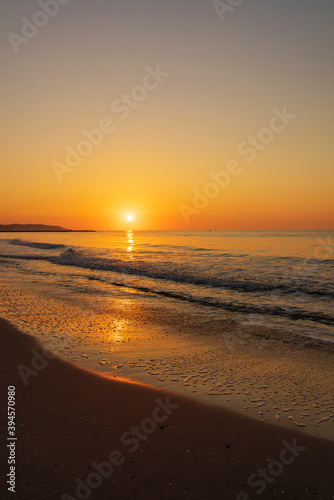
x=119, y=326
x=118, y=330
x=130, y=242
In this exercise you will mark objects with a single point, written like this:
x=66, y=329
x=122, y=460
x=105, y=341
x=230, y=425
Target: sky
x=184, y=114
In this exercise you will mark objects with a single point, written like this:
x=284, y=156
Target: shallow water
x=283, y=278
x=224, y=317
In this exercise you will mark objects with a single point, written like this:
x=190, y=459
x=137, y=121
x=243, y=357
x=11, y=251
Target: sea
x=165, y=307
x=269, y=278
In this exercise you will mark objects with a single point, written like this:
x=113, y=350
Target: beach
x=69, y=419
x=242, y=320
x=166, y=365
x=167, y=251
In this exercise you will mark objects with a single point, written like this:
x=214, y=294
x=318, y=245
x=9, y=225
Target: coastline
x=268, y=375
x=69, y=418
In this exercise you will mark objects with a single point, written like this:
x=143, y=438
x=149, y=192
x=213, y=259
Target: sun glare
x=129, y=218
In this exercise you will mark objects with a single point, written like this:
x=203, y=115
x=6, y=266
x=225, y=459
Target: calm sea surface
x=281, y=279
x=240, y=319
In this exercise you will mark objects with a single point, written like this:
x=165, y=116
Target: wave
x=73, y=257
x=290, y=312
x=199, y=250
x=32, y=244
x=171, y=273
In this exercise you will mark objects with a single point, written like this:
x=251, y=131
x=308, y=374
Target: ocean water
x=241, y=319
x=279, y=279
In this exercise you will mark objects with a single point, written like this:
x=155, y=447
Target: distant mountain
x=31, y=228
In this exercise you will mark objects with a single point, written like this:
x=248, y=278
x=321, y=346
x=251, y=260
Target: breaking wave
x=32, y=244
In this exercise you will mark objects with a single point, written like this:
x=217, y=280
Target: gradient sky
x=225, y=78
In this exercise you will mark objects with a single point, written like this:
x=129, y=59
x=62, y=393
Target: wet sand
x=268, y=374
x=162, y=445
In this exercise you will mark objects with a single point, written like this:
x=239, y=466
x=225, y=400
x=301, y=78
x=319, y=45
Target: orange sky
x=201, y=90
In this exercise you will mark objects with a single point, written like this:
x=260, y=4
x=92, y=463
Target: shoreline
x=69, y=418
x=248, y=371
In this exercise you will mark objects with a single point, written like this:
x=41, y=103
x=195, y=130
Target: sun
x=129, y=218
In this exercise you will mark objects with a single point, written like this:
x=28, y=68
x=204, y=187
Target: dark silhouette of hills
x=21, y=228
